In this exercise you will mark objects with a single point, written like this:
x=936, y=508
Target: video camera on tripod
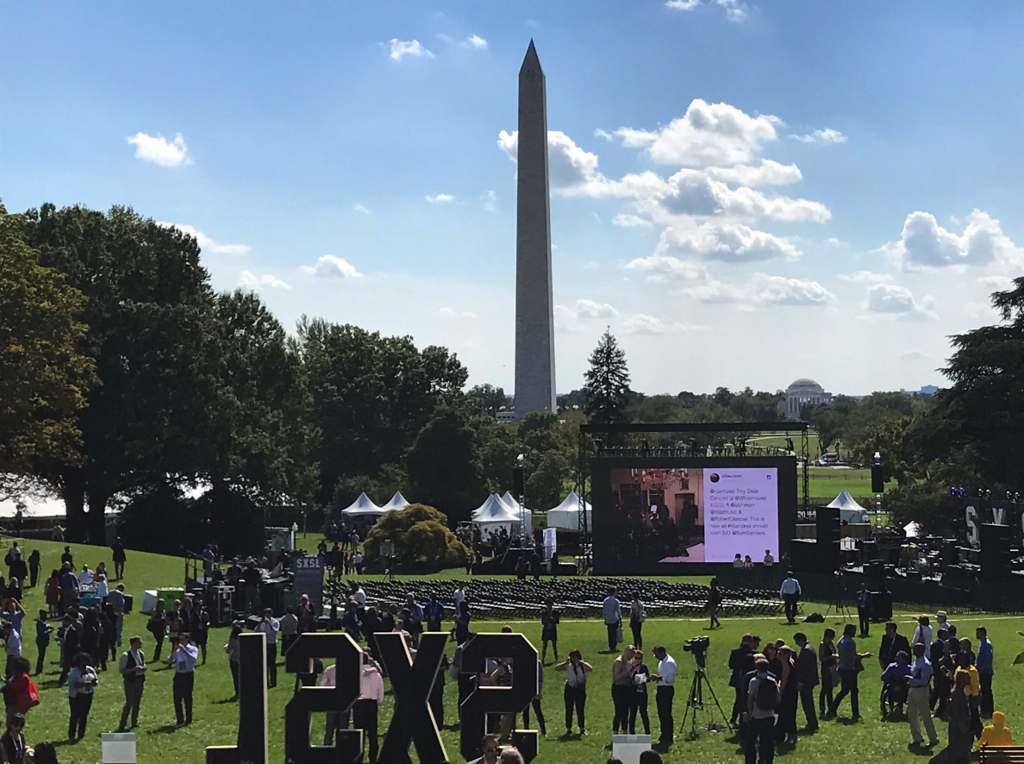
x=699, y=647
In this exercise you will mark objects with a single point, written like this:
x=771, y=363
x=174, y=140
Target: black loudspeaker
x=876, y=573
x=518, y=482
x=995, y=552
x=828, y=529
x=877, y=478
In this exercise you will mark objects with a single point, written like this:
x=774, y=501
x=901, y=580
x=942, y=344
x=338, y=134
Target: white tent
x=849, y=510
x=363, y=507
x=397, y=502
x=913, y=530
x=495, y=512
x=510, y=500
x=567, y=514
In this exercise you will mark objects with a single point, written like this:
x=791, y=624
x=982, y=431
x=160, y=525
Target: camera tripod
x=837, y=604
x=695, y=703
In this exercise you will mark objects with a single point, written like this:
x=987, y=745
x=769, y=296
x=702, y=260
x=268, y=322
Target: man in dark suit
x=807, y=674
x=892, y=642
x=741, y=663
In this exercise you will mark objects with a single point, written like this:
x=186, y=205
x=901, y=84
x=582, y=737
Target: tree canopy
x=606, y=389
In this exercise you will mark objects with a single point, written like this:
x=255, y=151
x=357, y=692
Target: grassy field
x=827, y=482
x=216, y=718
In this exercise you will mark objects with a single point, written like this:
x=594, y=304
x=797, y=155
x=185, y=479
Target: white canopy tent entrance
x=849, y=510
x=397, y=502
x=567, y=514
x=363, y=507
x=495, y=513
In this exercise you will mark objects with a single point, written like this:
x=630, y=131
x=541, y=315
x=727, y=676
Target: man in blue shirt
x=918, y=709
x=612, y=611
x=864, y=610
x=434, y=611
x=68, y=586
x=985, y=670
x=183, y=658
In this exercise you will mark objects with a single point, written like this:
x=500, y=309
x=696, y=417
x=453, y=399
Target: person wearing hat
x=132, y=666
x=941, y=620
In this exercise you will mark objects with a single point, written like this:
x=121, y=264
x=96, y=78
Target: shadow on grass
x=167, y=729
x=920, y=750
x=226, y=701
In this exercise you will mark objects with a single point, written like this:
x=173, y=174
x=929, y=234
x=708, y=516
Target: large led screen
x=649, y=516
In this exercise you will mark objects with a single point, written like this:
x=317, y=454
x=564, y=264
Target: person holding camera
x=270, y=626
x=665, y=693
x=576, y=670
x=183, y=658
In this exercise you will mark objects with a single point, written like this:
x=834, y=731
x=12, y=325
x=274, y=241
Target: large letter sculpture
x=498, y=700
x=253, y=741
x=412, y=682
x=349, y=666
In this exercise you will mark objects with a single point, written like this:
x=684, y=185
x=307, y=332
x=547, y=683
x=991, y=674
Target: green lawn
x=827, y=482
x=216, y=719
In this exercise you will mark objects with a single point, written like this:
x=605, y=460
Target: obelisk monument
x=535, y=321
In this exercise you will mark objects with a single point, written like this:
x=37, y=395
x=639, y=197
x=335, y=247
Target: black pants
x=848, y=684
x=620, y=700
x=183, y=683
x=34, y=576
x=864, y=616
x=664, y=701
x=807, y=701
x=41, y=658
x=737, y=704
x=272, y=665
x=825, y=693
x=540, y=716
x=638, y=705
x=987, y=703
x=759, y=743
x=80, y=705
x=234, y=675
x=575, y=697
x=364, y=717
x=790, y=600
x=637, y=627
x=613, y=636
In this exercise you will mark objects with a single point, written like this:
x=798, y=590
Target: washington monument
x=535, y=323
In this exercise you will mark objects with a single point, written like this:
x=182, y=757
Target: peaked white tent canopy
x=363, y=507
x=567, y=514
x=495, y=512
x=397, y=502
x=849, y=510
x=510, y=500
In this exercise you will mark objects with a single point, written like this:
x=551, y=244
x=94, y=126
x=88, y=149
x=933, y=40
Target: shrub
x=421, y=539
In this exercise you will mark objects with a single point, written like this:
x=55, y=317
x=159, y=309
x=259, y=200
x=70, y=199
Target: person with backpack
x=21, y=693
x=763, y=697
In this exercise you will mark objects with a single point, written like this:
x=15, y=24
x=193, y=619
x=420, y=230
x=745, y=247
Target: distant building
x=506, y=415
x=925, y=390
x=801, y=393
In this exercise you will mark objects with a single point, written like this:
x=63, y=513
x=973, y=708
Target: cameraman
x=666, y=679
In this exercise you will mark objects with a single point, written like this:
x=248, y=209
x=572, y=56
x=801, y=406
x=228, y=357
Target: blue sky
x=776, y=189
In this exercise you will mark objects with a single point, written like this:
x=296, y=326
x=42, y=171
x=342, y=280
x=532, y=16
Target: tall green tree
x=148, y=312
x=444, y=461
x=44, y=376
x=606, y=388
x=493, y=398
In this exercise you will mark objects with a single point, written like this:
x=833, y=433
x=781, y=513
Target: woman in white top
x=923, y=632
x=576, y=670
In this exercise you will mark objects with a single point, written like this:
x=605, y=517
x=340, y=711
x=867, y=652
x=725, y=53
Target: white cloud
x=331, y=266
x=361, y=209
x=925, y=244
x=475, y=42
x=708, y=134
x=447, y=312
x=665, y=268
x=735, y=11
x=867, y=277
x=206, y=244
x=156, y=149
x=718, y=293
x=728, y=242
x=682, y=5
x=440, y=198
x=914, y=355
x=996, y=283
x=768, y=173
x=599, y=133
x=897, y=301
x=249, y=280
x=821, y=137
x=642, y=323
x=630, y=221
x=571, y=317
x=402, y=48
x=764, y=290
x=489, y=201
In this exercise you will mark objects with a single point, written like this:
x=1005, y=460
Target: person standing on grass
x=34, y=563
x=270, y=626
x=119, y=557
x=763, y=697
x=918, y=711
x=985, y=670
x=433, y=611
x=638, y=700
x=637, y=616
x=232, y=649
x=665, y=693
x=790, y=591
x=849, y=662
x=611, y=610
x=829, y=670
x=863, y=598
x=549, y=619
x=12, y=742
x=371, y=695
x=12, y=646
x=623, y=670
x=183, y=658
x=462, y=622
x=157, y=626
x=43, y=632
x=132, y=666
x=82, y=681
x=960, y=740
x=116, y=601
x=807, y=674
x=576, y=670
x=68, y=586
x=741, y=661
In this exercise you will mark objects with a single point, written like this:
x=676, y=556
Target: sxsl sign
x=412, y=723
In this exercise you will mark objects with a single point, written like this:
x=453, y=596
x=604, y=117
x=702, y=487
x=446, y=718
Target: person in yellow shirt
x=996, y=733
x=973, y=688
